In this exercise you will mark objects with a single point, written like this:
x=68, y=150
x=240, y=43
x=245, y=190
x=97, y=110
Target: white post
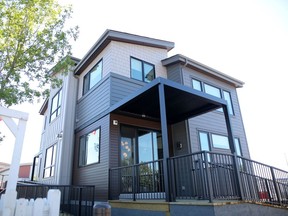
x=14, y=167
x=19, y=132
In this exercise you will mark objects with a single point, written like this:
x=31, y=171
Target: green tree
x=32, y=38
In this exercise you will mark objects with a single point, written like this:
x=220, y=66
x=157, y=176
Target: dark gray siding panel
x=94, y=174
x=174, y=73
x=96, y=101
x=122, y=86
x=214, y=122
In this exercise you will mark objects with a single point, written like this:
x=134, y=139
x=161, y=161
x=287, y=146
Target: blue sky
x=244, y=39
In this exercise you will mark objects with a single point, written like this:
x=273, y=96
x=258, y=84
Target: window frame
x=51, y=166
x=222, y=92
x=219, y=147
x=142, y=69
x=87, y=77
x=82, y=159
x=58, y=105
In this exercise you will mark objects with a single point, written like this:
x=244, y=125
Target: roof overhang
x=111, y=35
x=181, y=102
x=190, y=63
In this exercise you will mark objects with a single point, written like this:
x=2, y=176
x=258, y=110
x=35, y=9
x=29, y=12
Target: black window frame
x=58, y=107
x=82, y=163
x=231, y=110
x=87, y=77
x=51, y=166
x=142, y=69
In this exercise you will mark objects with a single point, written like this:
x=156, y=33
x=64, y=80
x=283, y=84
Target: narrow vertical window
x=204, y=141
x=237, y=146
x=50, y=159
x=142, y=71
x=56, y=105
x=92, y=77
x=227, y=97
x=89, y=148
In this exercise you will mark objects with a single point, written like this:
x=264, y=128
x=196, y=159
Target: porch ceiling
x=182, y=102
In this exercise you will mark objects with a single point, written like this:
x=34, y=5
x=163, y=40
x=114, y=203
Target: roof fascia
x=111, y=35
x=194, y=64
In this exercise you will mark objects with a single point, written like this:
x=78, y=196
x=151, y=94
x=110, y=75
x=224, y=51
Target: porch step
x=194, y=208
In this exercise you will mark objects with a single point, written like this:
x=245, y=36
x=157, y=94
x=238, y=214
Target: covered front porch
x=167, y=103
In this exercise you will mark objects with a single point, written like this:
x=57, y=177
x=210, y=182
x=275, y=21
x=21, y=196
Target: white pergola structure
x=18, y=130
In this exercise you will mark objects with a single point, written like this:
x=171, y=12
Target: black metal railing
x=202, y=175
x=75, y=200
x=141, y=181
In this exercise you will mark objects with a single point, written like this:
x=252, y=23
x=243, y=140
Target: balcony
x=201, y=176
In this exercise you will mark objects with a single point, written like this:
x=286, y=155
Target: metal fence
x=75, y=200
x=141, y=181
x=202, y=176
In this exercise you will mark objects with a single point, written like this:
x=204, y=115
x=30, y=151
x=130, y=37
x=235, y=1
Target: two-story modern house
x=126, y=109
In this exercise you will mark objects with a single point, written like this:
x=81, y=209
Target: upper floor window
x=196, y=84
x=217, y=92
x=49, y=168
x=89, y=148
x=220, y=141
x=92, y=77
x=142, y=71
x=227, y=97
x=56, y=105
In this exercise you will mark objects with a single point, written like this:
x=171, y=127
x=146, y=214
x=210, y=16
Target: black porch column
x=164, y=132
x=233, y=151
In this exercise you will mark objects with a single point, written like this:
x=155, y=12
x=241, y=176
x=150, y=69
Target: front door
x=142, y=148
x=140, y=145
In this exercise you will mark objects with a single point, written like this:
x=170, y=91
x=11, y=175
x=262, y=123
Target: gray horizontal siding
x=94, y=174
x=122, y=86
x=93, y=103
x=213, y=122
x=174, y=73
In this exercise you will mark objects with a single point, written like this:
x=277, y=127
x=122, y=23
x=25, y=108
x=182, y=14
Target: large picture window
x=56, y=105
x=89, y=148
x=142, y=71
x=92, y=77
x=50, y=160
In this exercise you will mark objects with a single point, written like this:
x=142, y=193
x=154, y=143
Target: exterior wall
x=97, y=173
x=216, y=119
x=62, y=124
x=116, y=59
x=110, y=90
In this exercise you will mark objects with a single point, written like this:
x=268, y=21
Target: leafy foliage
x=32, y=38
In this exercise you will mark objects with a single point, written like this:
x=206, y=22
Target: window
x=49, y=168
x=92, y=77
x=204, y=141
x=56, y=105
x=212, y=90
x=89, y=148
x=209, y=89
x=207, y=140
x=142, y=71
x=237, y=146
x=196, y=84
x=220, y=141
x=227, y=97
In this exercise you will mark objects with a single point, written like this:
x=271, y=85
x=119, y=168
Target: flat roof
x=181, y=102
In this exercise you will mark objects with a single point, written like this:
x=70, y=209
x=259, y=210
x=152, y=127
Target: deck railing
x=202, y=176
x=75, y=200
